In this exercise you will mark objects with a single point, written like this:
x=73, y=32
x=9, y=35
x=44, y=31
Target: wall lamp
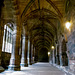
x=52, y=47
x=68, y=25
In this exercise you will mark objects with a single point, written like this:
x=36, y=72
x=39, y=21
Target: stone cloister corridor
x=37, y=36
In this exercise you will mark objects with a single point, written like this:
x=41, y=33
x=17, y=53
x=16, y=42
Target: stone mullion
x=26, y=50
x=9, y=39
x=4, y=38
x=10, y=42
x=6, y=42
x=1, y=38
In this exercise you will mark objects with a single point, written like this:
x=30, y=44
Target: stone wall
x=5, y=59
x=43, y=55
x=71, y=49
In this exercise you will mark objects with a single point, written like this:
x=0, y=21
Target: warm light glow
x=68, y=24
x=48, y=53
x=52, y=47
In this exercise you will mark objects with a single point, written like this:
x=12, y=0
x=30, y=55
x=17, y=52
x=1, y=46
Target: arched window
x=7, y=39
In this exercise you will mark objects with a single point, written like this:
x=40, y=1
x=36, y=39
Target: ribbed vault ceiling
x=39, y=17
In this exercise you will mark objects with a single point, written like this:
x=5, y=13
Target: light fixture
x=68, y=24
x=48, y=53
x=52, y=47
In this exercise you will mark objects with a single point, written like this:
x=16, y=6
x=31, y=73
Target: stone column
x=36, y=55
x=53, y=58
x=56, y=55
x=26, y=49
x=15, y=58
x=60, y=55
x=30, y=54
x=50, y=60
x=1, y=41
x=33, y=54
x=23, y=51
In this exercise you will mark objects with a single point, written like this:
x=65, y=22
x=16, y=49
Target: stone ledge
x=1, y=69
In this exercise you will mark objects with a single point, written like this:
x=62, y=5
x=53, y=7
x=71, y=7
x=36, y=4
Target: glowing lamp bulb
x=48, y=53
x=68, y=24
x=52, y=47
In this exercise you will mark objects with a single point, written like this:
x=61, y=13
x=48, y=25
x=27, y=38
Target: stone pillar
x=23, y=51
x=60, y=55
x=50, y=57
x=36, y=55
x=15, y=58
x=53, y=58
x=56, y=55
x=26, y=50
x=33, y=54
x=1, y=41
x=30, y=51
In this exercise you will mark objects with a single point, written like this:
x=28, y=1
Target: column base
x=30, y=63
x=1, y=69
x=14, y=68
x=26, y=65
x=22, y=64
x=35, y=61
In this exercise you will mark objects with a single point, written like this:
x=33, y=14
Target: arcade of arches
x=29, y=29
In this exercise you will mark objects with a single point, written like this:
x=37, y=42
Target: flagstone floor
x=36, y=69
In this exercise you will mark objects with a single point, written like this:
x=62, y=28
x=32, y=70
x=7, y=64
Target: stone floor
x=36, y=69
